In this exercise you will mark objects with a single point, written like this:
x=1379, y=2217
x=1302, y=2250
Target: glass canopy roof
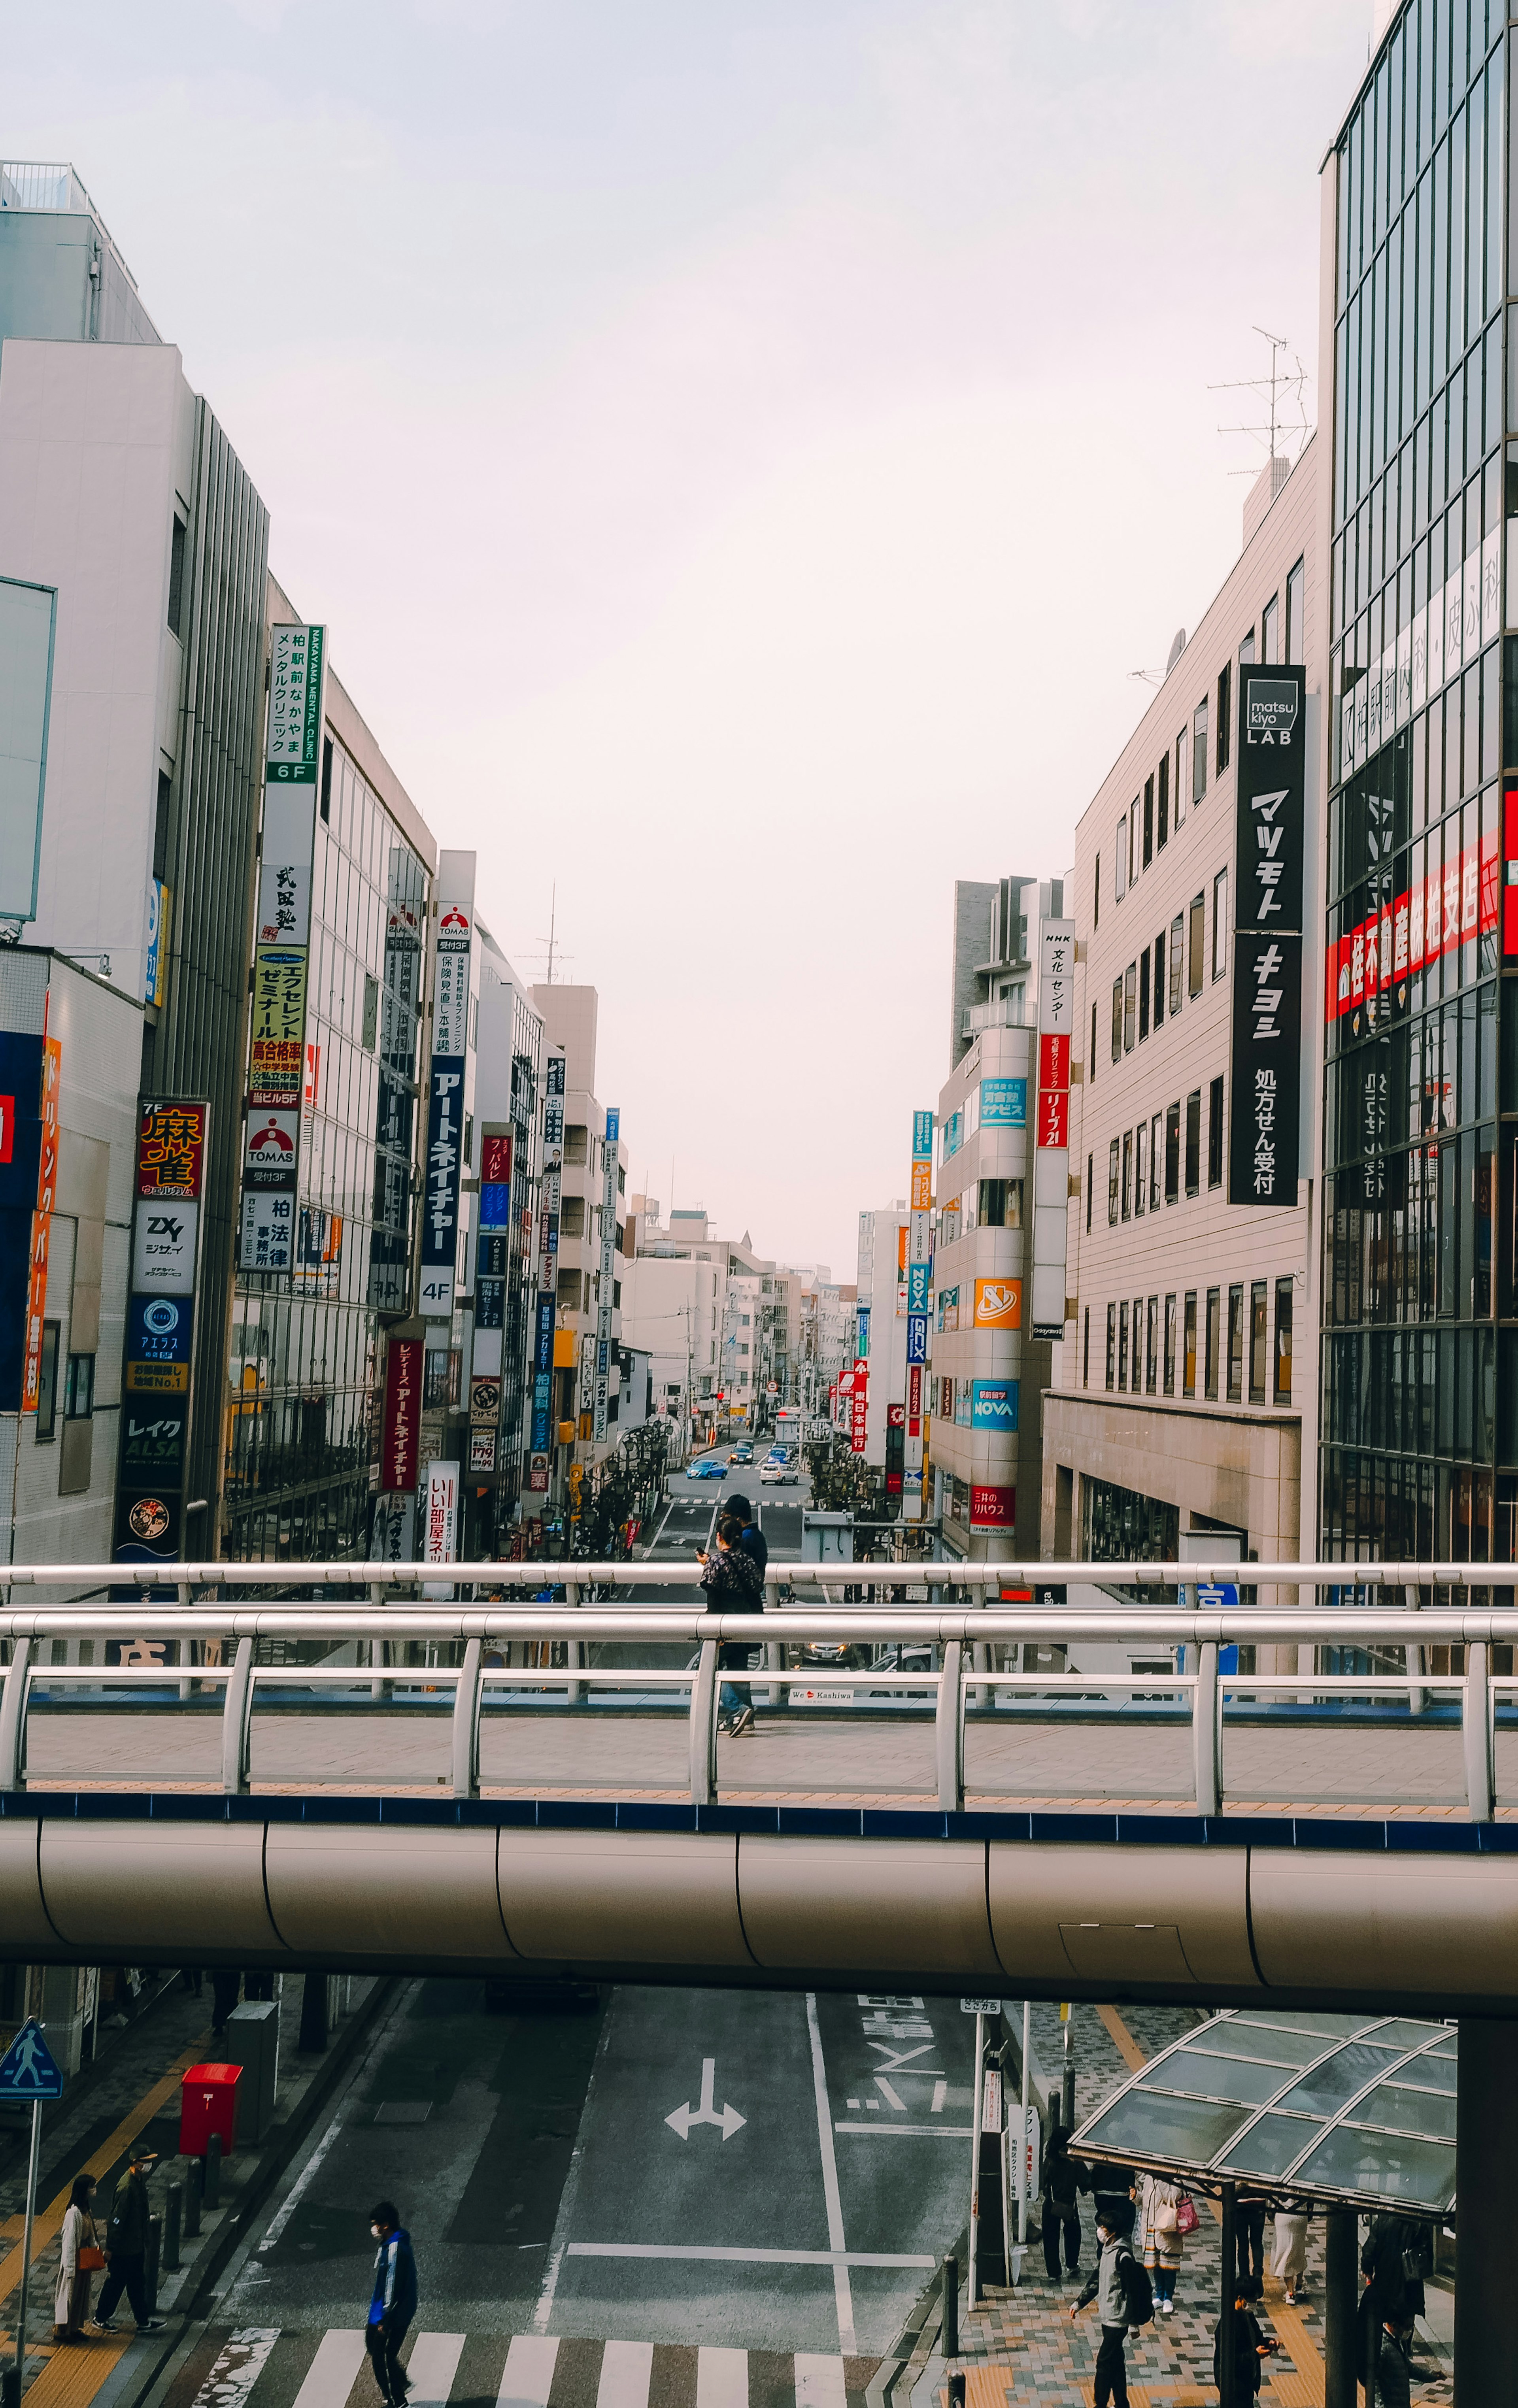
x=1323, y=2106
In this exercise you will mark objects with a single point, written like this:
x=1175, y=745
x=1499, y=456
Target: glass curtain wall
x=305, y=1346
x=1419, y=1405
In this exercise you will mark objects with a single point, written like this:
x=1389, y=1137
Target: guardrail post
x=184, y=1648
x=1417, y=1696
x=573, y=1649
x=236, y=1722
x=774, y=1652
x=13, y=1716
x=1476, y=1731
x=949, y=1729
x=377, y=1689
x=466, y=1723
x=704, y=1726
x=1206, y=1737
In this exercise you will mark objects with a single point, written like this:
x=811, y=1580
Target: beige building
x=569, y=1019
x=1176, y=1399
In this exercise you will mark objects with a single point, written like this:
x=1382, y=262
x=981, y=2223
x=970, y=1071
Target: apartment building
x=590, y=1257
x=508, y=1091
x=1176, y=1403
x=869, y=1403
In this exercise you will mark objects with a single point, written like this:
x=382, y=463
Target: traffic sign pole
x=26, y=2246
x=28, y=2071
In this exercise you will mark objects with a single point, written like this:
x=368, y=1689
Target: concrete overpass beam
x=1119, y=1919
x=897, y=1906
x=193, y=1891
x=626, y=1897
x=341, y=1895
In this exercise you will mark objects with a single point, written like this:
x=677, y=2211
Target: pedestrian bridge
x=311, y=1766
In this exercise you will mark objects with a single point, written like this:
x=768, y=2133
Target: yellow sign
x=921, y=1187
x=999, y=1304
x=564, y=1357
x=161, y=1379
x=278, y=1008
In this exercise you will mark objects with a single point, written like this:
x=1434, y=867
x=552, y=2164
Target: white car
x=778, y=1475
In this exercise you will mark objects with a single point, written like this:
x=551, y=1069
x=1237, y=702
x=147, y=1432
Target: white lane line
x=238, y=2367
x=333, y=2370
x=941, y=2093
x=722, y=2378
x=528, y=2377
x=890, y=2094
x=744, y=2256
x=842, y=2293
x=431, y=2368
x=818, y=2381
x=626, y=2373
x=297, y=2188
x=914, y=2132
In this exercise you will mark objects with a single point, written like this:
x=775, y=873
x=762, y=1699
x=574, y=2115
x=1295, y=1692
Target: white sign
x=164, y=1248
x=727, y=2119
x=451, y=1006
x=442, y=1513
x=435, y=1294
x=291, y=684
x=393, y=1538
x=980, y=2006
x=1056, y=978
x=270, y=1140
x=284, y=893
x=267, y=1241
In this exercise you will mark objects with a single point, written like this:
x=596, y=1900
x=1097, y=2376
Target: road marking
x=702, y=2256
x=842, y=2293
x=896, y=2057
x=333, y=2371
x=729, y=2122
x=941, y=2092
x=1123, y=2040
x=431, y=2368
x=722, y=2378
x=818, y=2381
x=283, y=2215
x=888, y=2131
x=528, y=2377
x=626, y=2373
x=238, y=2367
x=890, y=2094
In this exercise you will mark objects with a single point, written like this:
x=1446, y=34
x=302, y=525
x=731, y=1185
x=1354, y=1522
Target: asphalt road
x=795, y=2202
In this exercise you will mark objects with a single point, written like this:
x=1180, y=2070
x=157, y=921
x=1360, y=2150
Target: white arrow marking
x=683, y=2118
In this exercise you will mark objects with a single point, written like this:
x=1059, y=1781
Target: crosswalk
x=256, y=2367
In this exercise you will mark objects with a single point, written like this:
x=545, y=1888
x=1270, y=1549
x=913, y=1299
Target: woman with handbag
x=1289, y=2262
x=80, y=2258
x=1160, y=2206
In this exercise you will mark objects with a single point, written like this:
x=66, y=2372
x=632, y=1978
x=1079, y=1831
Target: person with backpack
x=1124, y=2300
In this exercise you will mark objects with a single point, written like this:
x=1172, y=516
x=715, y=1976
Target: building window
x=175, y=579
x=1215, y=1134
x=1259, y=1341
x=1193, y=1142
x=1117, y=1019
x=1112, y=1185
x=1295, y=648
x=1172, y=1153
x=1159, y=979
x=1096, y=894
x=1235, y=1345
x=1195, y=946
x=1143, y=994
x=1133, y=842
x=1163, y=831
x=1224, y=707
x=1284, y=1333
x=1214, y=1331
x=1156, y=1141
x=1170, y=1344
x=1220, y=924
x=1130, y=1006
x=1270, y=630
x=1086, y=1350
x=1152, y=1347
x=1093, y=1044
x=326, y=778
x=1001, y=1203
x=1091, y=1166
x=1198, y=751
x=78, y=1387
x=1123, y=1344
x=371, y=1013
x=1111, y=1345
x=46, y=1394
x=1246, y=651
x=1149, y=821
x=1120, y=858
x=1182, y=775
x=1177, y=961
x=1128, y=1174
x=1188, y=1358
x=1140, y=1168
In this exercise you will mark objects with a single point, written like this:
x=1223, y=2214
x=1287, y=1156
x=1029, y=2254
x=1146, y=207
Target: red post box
x=208, y=2104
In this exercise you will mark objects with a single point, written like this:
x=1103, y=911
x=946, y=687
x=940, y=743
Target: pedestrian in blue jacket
x=393, y=2302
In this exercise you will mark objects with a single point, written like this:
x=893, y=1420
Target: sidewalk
x=110, y=2370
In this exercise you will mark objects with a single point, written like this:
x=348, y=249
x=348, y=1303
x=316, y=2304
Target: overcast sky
x=741, y=449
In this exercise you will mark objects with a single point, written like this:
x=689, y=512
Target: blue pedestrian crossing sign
x=28, y=2069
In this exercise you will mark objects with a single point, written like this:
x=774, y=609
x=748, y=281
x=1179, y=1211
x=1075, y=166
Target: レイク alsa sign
x=1266, y=1051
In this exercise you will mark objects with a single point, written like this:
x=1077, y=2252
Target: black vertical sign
x=1267, y=1059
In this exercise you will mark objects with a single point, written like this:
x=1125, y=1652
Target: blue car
x=708, y=1468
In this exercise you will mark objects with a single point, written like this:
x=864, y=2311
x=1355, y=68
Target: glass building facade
x=305, y=1346
x=1419, y=1432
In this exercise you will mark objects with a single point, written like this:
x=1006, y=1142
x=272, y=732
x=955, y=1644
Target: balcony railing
x=1004, y=1012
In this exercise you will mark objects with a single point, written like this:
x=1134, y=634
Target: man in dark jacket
x=1250, y=2347
x=393, y=2303
x=753, y=1542
x=126, y=2246
x=1061, y=2186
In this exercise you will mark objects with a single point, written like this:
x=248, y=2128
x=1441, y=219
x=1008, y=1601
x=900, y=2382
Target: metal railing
x=961, y=1634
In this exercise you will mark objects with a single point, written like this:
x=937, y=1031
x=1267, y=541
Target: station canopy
x=1340, y=2108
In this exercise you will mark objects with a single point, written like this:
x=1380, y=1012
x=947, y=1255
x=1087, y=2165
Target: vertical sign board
x=172, y=1140
x=547, y=1269
x=608, y=1269
x=281, y=949
x=442, y=1512
x=1052, y=1147
x=1270, y=839
x=47, y=1190
x=493, y=1238
x=21, y=1058
x=439, y=1249
x=918, y=1270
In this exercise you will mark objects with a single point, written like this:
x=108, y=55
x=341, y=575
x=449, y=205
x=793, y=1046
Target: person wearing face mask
x=393, y=2301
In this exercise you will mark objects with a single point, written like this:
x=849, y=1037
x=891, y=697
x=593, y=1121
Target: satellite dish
x=1177, y=648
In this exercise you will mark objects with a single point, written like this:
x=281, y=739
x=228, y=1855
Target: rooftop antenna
x=1282, y=383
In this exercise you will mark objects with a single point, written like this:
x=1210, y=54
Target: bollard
x=956, y=2390
x=213, y=2169
x=173, y=2226
x=10, y=2387
x=948, y=2331
x=194, y=2180
x=150, y=2271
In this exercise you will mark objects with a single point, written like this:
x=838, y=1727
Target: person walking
x=1120, y=2287
x=79, y=2256
x=392, y=2303
x=126, y=2246
x=1061, y=2186
x=1253, y=2203
x=1160, y=2238
x=733, y=1584
x=1250, y=2347
x=751, y=1539
x=1288, y=2259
